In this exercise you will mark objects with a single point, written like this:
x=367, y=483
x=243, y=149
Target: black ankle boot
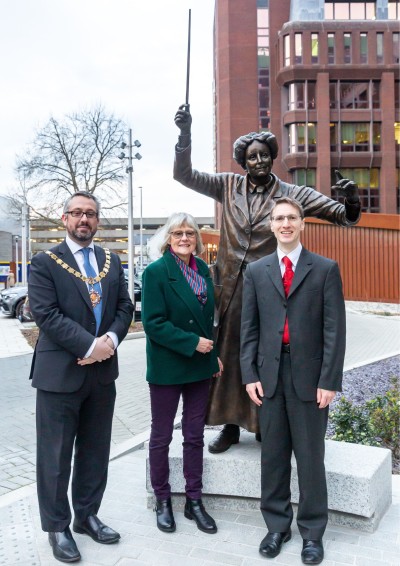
x=165, y=516
x=223, y=441
x=194, y=509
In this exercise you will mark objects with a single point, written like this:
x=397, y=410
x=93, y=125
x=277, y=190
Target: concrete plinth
x=358, y=477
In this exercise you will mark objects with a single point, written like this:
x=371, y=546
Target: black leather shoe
x=165, y=516
x=313, y=552
x=258, y=436
x=64, y=546
x=97, y=530
x=223, y=441
x=271, y=544
x=194, y=509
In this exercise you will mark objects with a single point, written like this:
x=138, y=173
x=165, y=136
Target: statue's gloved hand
x=347, y=188
x=183, y=119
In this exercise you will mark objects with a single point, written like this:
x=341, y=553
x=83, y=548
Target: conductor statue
x=246, y=236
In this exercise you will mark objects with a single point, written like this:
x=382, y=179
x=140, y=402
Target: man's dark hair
x=291, y=201
x=242, y=143
x=82, y=194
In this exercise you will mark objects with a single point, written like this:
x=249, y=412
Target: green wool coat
x=173, y=320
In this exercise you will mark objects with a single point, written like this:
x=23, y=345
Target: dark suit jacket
x=317, y=324
x=174, y=320
x=62, y=310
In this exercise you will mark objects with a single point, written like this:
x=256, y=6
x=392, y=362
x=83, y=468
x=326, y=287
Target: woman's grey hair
x=242, y=143
x=82, y=194
x=174, y=222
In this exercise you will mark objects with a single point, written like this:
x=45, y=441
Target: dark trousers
x=288, y=424
x=164, y=404
x=62, y=419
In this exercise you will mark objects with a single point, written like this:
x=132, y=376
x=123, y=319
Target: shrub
x=375, y=423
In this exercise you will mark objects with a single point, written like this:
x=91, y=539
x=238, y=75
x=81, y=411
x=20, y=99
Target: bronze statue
x=245, y=236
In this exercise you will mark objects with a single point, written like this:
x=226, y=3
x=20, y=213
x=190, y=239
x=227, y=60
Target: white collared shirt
x=75, y=250
x=293, y=256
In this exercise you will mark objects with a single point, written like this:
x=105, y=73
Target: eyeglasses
x=178, y=234
x=80, y=213
x=290, y=218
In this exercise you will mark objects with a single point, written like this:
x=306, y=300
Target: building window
x=354, y=95
x=301, y=95
x=397, y=132
x=305, y=177
x=263, y=65
x=331, y=48
x=314, y=48
x=347, y=47
x=379, y=47
x=333, y=97
x=286, y=51
x=356, y=10
x=368, y=187
x=393, y=10
x=298, y=48
x=376, y=99
x=302, y=138
x=333, y=136
x=396, y=47
x=397, y=95
x=363, y=48
x=358, y=136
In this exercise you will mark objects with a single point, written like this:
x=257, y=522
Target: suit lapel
x=183, y=291
x=304, y=265
x=274, y=272
x=239, y=197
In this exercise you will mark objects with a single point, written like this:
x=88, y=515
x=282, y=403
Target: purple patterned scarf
x=190, y=272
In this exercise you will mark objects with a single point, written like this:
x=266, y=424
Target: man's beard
x=83, y=236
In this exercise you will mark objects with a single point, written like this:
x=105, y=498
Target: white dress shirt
x=293, y=256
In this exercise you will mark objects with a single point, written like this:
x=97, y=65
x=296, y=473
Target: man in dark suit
x=80, y=302
x=293, y=335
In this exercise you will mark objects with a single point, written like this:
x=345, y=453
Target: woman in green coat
x=178, y=315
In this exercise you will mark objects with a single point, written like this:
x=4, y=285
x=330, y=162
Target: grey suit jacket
x=62, y=310
x=317, y=324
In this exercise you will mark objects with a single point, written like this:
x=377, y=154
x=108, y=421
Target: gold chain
x=78, y=274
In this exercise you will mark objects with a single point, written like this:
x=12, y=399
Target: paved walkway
x=371, y=335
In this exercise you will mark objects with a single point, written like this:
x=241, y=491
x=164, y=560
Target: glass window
x=363, y=48
x=396, y=47
x=302, y=137
x=347, y=47
x=379, y=47
x=314, y=48
x=298, y=48
x=333, y=136
x=357, y=136
x=397, y=132
x=304, y=177
x=286, y=51
x=356, y=10
x=331, y=48
x=296, y=96
x=263, y=65
x=393, y=10
x=397, y=95
x=311, y=98
x=376, y=103
x=333, y=98
x=354, y=95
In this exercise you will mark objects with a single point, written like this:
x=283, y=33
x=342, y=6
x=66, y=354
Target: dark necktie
x=94, y=288
x=287, y=281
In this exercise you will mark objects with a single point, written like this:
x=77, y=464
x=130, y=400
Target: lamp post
x=141, y=231
x=16, y=261
x=131, y=233
x=24, y=239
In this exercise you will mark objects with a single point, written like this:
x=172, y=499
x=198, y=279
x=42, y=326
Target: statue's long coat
x=241, y=242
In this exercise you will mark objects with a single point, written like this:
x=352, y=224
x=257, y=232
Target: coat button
x=190, y=321
x=277, y=359
x=247, y=230
x=284, y=305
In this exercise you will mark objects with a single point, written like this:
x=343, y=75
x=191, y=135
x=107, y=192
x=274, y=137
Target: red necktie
x=287, y=281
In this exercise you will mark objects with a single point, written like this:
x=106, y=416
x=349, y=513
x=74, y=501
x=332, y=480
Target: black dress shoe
x=64, y=546
x=165, y=516
x=258, y=436
x=194, y=509
x=271, y=544
x=223, y=441
x=313, y=552
x=97, y=530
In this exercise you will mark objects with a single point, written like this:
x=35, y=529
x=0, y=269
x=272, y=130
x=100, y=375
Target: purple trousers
x=164, y=404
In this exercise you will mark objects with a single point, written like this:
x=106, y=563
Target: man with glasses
x=80, y=302
x=246, y=236
x=293, y=338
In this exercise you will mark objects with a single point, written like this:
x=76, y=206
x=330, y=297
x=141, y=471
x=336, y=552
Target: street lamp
x=16, y=261
x=141, y=231
x=131, y=233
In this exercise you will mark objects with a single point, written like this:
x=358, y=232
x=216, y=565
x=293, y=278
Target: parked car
x=137, y=284
x=12, y=300
x=25, y=314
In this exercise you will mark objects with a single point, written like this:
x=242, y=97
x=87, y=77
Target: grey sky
x=61, y=56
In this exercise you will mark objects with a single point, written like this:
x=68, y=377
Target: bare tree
x=79, y=153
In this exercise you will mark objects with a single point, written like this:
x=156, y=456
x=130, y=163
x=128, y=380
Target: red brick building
x=324, y=78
